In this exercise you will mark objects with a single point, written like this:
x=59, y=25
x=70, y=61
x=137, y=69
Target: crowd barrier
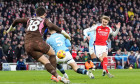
x=39, y=66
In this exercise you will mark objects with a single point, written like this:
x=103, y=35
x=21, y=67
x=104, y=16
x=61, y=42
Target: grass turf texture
x=125, y=76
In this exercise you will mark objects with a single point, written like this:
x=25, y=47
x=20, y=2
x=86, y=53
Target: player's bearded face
x=104, y=22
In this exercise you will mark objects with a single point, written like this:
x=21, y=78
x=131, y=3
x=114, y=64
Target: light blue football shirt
x=58, y=42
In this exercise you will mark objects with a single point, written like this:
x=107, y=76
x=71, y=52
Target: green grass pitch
x=123, y=76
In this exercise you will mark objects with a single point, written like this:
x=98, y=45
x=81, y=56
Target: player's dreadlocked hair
x=40, y=11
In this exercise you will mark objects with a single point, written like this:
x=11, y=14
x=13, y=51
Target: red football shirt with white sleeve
x=102, y=33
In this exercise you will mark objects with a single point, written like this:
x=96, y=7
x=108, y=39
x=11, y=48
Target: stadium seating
x=72, y=16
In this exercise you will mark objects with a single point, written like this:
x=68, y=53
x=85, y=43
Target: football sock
x=52, y=60
x=59, y=66
x=105, y=62
x=107, y=71
x=81, y=71
x=51, y=69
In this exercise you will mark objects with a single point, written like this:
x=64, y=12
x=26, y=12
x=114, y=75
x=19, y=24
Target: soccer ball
x=130, y=67
x=61, y=54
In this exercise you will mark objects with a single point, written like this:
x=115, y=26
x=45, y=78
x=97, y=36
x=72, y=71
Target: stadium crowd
x=73, y=16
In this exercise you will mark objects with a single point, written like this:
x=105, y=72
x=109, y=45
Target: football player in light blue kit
x=59, y=66
x=59, y=42
x=91, y=39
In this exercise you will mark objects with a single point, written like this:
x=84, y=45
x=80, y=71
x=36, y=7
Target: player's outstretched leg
x=80, y=70
x=104, y=63
x=52, y=57
x=52, y=70
x=84, y=71
x=60, y=68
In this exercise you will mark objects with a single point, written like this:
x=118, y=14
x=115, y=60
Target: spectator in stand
x=110, y=52
x=121, y=45
x=2, y=41
x=13, y=45
x=119, y=66
x=1, y=52
x=125, y=58
x=134, y=48
x=86, y=56
x=28, y=58
x=131, y=59
x=118, y=58
x=131, y=14
x=10, y=55
x=21, y=65
x=18, y=52
x=3, y=60
x=77, y=59
x=5, y=47
x=23, y=56
x=127, y=44
x=1, y=31
x=89, y=65
x=82, y=58
x=116, y=47
x=85, y=49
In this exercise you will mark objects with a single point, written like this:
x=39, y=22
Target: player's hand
x=10, y=29
x=118, y=25
x=88, y=37
x=66, y=34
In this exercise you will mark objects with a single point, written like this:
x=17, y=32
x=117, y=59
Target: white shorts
x=99, y=50
x=68, y=59
x=91, y=50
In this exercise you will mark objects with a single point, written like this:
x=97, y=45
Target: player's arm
x=67, y=42
x=85, y=38
x=52, y=26
x=117, y=30
x=19, y=20
x=93, y=28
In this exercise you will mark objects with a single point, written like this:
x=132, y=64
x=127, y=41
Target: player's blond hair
x=105, y=17
x=93, y=24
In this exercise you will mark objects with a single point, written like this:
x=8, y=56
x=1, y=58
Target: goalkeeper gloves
x=10, y=29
